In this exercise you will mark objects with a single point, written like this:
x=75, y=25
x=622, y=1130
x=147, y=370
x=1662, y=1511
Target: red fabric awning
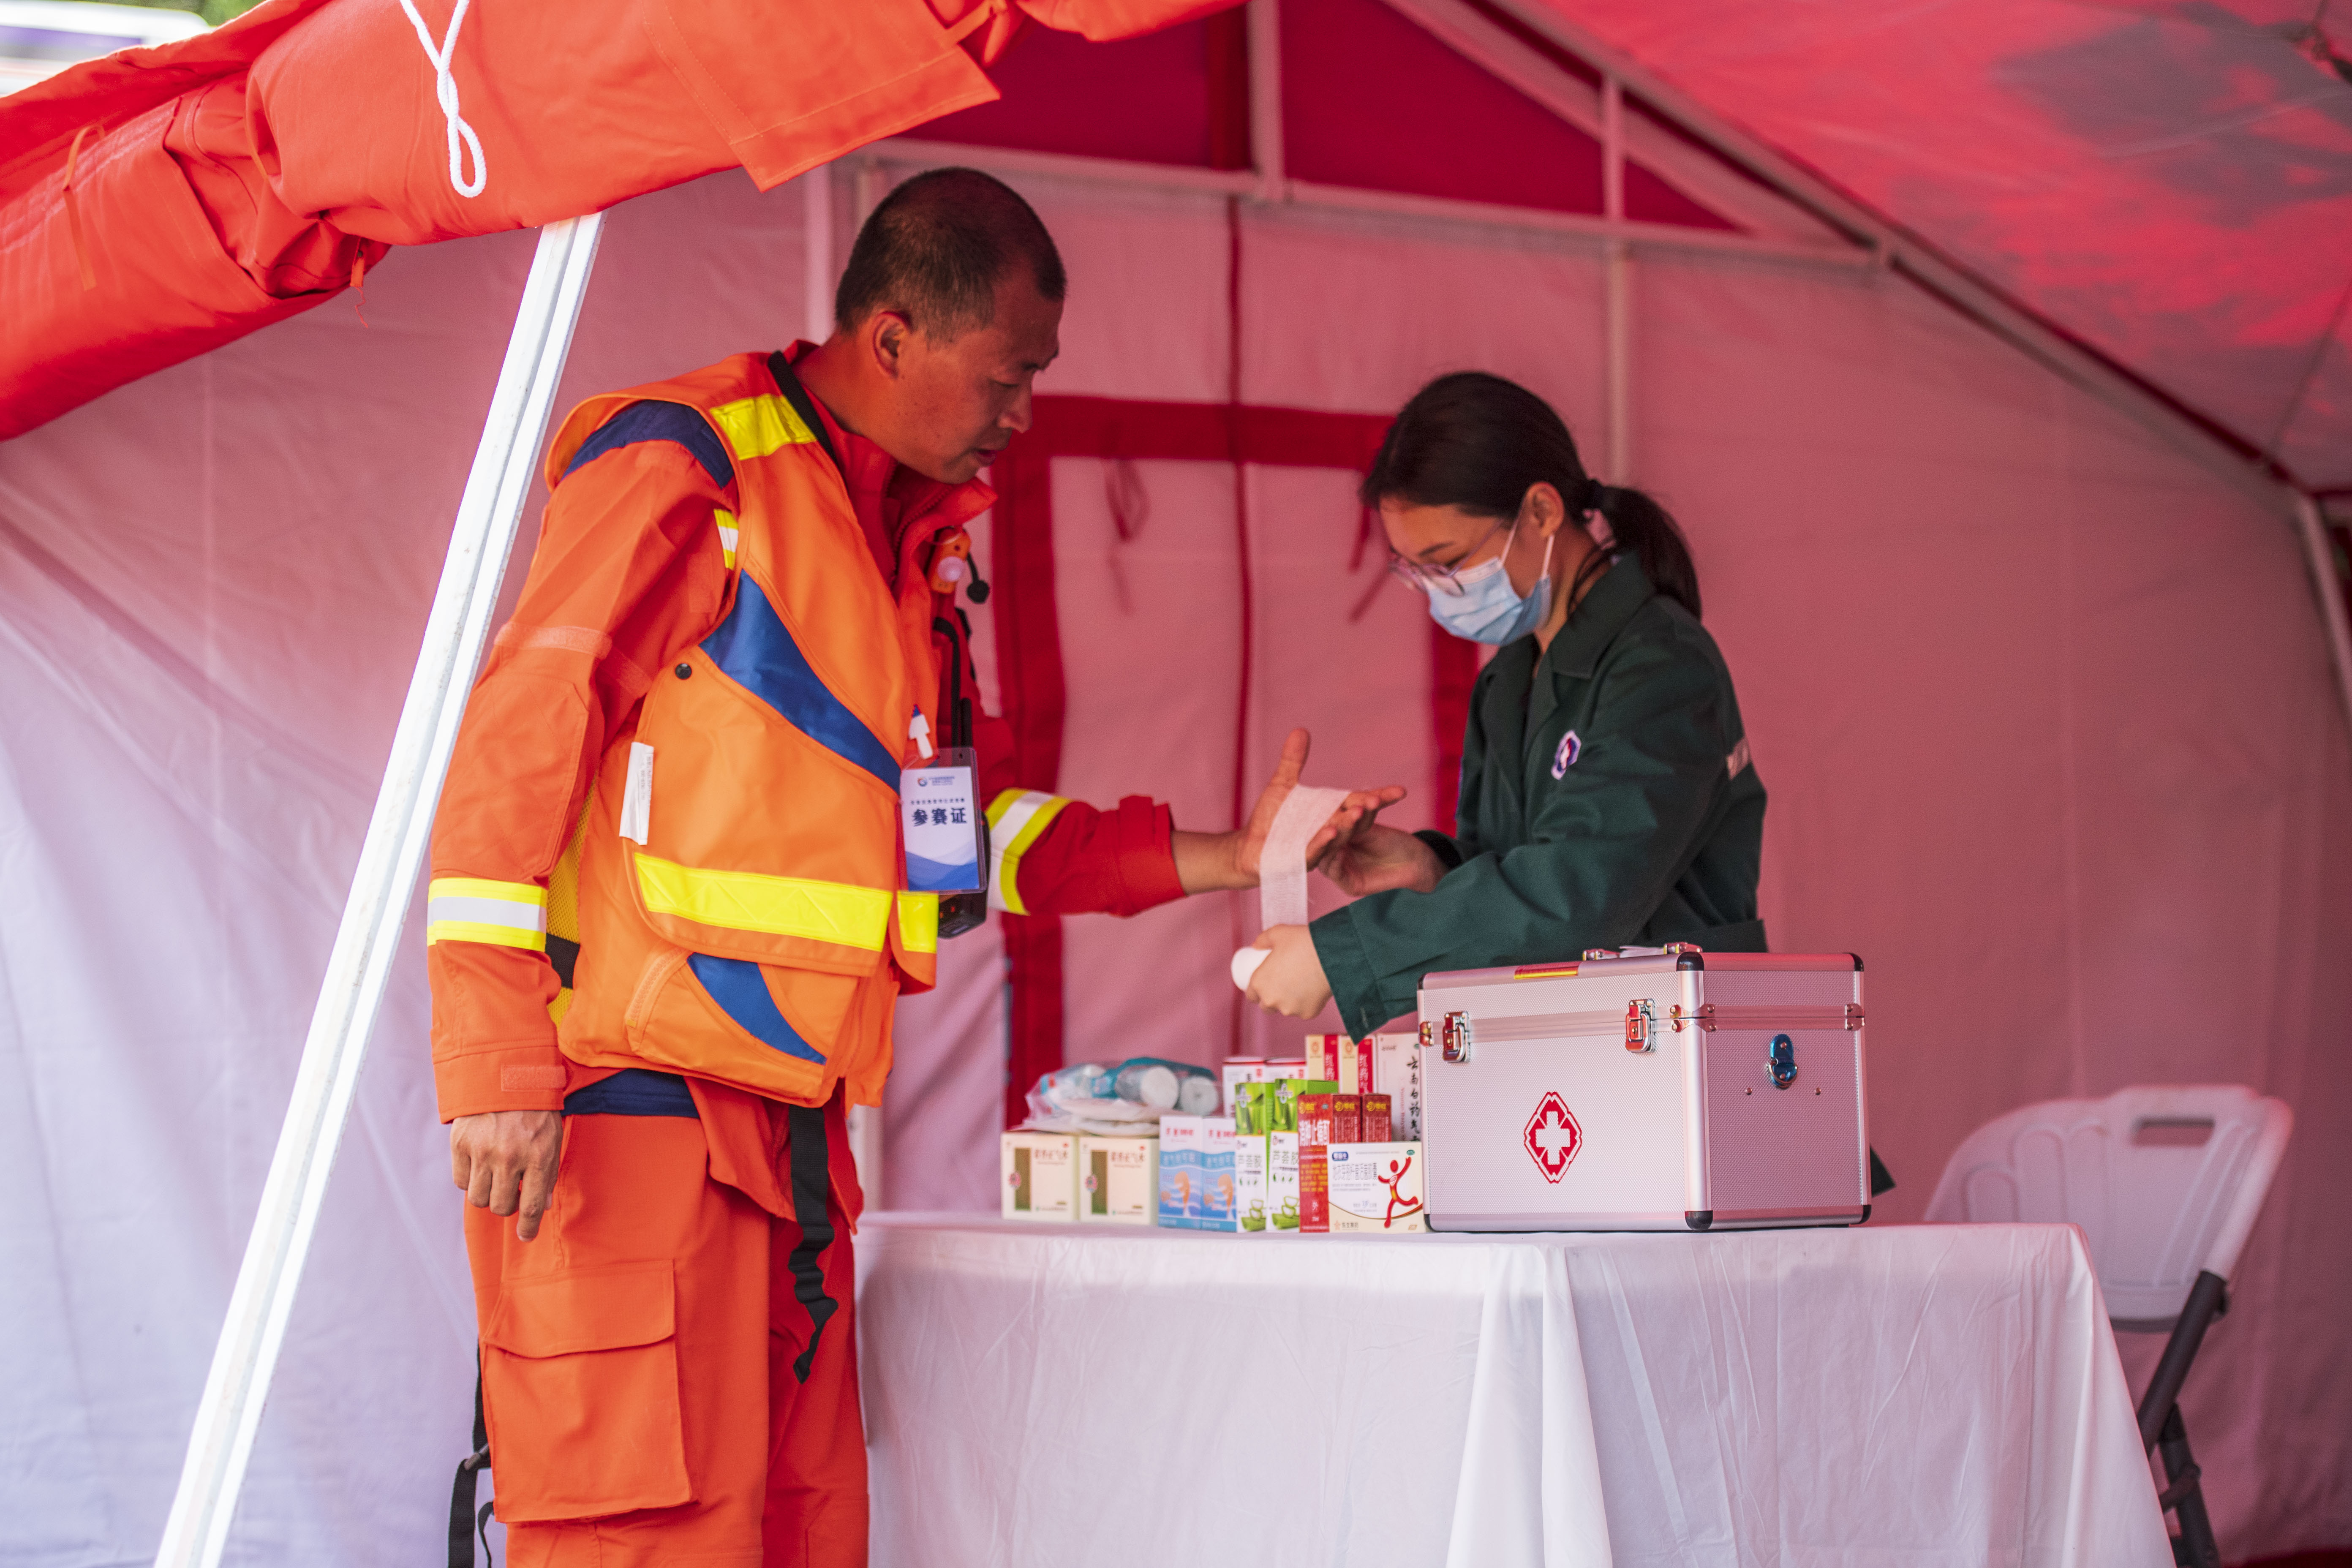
x=167, y=200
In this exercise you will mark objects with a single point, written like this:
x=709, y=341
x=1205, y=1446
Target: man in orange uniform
x=666, y=934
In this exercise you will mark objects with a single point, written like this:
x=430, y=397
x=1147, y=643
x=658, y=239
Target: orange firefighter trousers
x=668, y=1368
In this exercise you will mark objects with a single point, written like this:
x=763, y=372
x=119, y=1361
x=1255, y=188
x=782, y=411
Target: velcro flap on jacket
x=587, y=1310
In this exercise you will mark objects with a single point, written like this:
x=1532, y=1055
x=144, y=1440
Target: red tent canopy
x=166, y=200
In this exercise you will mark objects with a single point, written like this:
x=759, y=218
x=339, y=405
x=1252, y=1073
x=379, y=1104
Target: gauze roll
x=1281, y=867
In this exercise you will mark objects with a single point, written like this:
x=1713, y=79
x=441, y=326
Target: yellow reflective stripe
x=755, y=427
x=727, y=533
x=1016, y=819
x=919, y=921
x=481, y=887
x=478, y=931
x=781, y=906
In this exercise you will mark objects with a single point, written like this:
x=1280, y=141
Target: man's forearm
x=1209, y=862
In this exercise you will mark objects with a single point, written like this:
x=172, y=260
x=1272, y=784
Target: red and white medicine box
x=1375, y=1188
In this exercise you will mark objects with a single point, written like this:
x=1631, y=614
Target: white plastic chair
x=2164, y=1181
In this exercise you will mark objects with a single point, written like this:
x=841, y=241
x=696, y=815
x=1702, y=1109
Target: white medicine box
x=1119, y=1180
x=1040, y=1174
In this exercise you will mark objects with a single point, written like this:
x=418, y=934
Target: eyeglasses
x=1443, y=580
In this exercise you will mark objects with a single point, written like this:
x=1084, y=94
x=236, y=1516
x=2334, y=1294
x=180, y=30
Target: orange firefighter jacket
x=669, y=836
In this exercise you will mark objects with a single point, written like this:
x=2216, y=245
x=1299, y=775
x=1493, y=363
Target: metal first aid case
x=1683, y=1090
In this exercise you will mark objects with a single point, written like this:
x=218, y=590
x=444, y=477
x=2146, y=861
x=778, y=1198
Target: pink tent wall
x=2039, y=696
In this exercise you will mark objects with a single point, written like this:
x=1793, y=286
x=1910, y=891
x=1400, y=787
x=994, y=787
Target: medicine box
x=1314, y=1178
x=1119, y=1180
x=1375, y=1188
x=1040, y=1175
x=1196, y=1173
x=1282, y=1183
x=1323, y=1053
x=1249, y=1183
x=1237, y=1071
x=1396, y=1072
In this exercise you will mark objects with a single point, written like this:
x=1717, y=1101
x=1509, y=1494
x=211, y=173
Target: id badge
x=939, y=813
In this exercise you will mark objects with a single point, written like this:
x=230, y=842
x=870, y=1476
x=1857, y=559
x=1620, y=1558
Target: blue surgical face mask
x=1489, y=609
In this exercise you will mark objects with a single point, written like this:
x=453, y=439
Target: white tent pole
x=365, y=942
x=816, y=243
x=2320, y=558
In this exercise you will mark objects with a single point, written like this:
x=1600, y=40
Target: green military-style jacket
x=1617, y=807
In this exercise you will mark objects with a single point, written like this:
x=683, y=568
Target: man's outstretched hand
x=505, y=1161
x=1208, y=861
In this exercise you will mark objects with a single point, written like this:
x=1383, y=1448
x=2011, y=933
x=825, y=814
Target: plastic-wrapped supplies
x=1120, y=1099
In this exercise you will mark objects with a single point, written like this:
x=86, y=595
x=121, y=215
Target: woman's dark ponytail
x=1641, y=525
x=1479, y=442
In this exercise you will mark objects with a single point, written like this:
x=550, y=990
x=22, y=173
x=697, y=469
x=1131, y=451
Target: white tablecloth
x=1923, y=1395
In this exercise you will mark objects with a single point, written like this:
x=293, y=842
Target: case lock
x=1783, y=1061
x=1640, y=1023
x=1453, y=1037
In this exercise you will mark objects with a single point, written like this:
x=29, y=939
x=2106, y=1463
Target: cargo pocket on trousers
x=579, y=1378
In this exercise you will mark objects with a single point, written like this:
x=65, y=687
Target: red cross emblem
x=1553, y=1137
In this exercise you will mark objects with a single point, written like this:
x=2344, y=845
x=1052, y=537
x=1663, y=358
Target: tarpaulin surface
x=2170, y=181
x=2041, y=699
x=162, y=201
x=2041, y=702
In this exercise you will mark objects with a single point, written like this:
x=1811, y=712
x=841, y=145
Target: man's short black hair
x=937, y=248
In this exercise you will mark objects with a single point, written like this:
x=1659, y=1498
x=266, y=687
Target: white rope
x=445, y=88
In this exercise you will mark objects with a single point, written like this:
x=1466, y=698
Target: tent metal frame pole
x=1270, y=174
x=1618, y=265
x=2320, y=556
x=1304, y=194
x=368, y=940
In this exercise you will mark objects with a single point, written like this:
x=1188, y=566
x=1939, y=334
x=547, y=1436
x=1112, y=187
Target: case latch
x=1641, y=1022
x=1783, y=1061
x=1453, y=1037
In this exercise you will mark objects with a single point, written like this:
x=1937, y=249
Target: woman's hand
x=1291, y=983
x=1371, y=857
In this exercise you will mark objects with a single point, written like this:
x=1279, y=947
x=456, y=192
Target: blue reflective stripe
x=660, y=422
x=754, y=647
x=742, y=992
x=634, y=1091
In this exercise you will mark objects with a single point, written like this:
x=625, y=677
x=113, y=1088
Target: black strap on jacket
x=464, y=1519
x=797, y=395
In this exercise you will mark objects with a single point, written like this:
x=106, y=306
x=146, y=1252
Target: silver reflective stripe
x=1001, y=836
x=487, y=912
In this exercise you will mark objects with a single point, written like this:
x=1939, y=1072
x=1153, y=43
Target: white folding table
x=1921, y=1395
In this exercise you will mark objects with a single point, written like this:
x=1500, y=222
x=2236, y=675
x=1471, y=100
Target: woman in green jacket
x=1607, y=795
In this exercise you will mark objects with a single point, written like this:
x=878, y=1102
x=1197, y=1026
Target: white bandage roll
x=1281, y=867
